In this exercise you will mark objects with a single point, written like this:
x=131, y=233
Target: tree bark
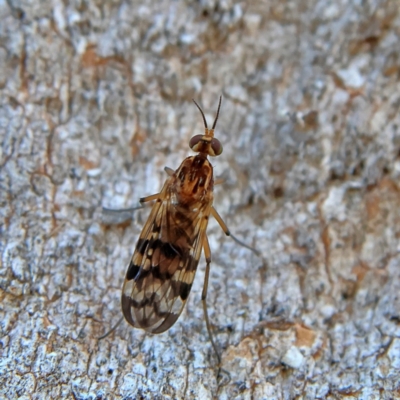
x=96, y=100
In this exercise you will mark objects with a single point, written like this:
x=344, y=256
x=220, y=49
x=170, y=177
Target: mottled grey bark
x=96, y=100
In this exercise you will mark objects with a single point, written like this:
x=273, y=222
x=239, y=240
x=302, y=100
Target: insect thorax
x=194, y=180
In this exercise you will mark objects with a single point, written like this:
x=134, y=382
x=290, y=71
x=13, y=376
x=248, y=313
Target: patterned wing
x=163, y=266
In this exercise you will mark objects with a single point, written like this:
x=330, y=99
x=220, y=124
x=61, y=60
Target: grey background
x=95, y=99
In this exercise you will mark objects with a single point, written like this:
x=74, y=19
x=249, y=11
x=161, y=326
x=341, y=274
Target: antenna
x=204, y=118
x=216, y=118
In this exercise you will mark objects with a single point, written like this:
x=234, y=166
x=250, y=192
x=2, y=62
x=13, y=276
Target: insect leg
x=207, y=254
x=141, y=200
x=169, y=171
x=111, y=330
x=228, y=233
x=111, y=216
x=149, y=198
x=120, y=210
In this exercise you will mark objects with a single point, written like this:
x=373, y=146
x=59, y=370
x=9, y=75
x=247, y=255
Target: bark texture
x=95, y=99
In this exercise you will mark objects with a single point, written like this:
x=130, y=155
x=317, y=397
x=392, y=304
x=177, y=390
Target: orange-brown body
x=192, y=182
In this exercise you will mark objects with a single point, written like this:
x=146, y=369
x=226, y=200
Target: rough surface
x=95, y=99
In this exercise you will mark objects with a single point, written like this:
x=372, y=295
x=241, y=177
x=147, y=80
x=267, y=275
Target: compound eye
x=216, y=147
x=194, y=141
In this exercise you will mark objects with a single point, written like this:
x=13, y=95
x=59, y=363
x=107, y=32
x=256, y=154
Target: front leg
x=228, y=233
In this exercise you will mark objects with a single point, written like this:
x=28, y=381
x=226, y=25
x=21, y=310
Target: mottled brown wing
x=163, y=266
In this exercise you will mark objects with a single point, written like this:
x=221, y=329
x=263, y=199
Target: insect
x=163, y=266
